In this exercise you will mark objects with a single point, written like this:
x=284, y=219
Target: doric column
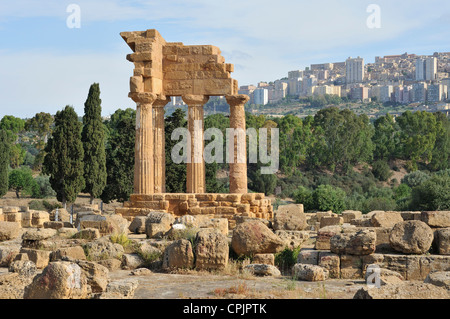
x=159, y=142
x=143, y=163
x=195, y=170
x=238, y=165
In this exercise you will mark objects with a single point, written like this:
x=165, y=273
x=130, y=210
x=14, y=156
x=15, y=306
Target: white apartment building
x=261, y=96
x=354, y=70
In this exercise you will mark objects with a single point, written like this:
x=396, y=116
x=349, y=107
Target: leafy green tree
x=415, y=178
x=381, y=170
x=64, y=156
x=175, y=173
x=260, y=183
x=386, y=138
x=21, y=179
x=418, y=136
x=441, y=151
x=93, y=138
x=433, y=194
x=304, y=196
x=120, y=156
x=42, y=188
x=4, y=162
x=13, y=126
x=41, y=124
x=327, y=197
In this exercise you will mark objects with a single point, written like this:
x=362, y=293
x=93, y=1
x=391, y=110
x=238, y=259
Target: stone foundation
x=208, y=204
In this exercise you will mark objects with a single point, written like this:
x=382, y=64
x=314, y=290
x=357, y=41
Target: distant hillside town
x=403, y=79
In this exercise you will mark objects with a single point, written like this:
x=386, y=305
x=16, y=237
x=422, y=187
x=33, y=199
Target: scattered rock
x=103, y=249
x=179, y=254
x=74, y=252
x=59, y=280
x=289, y=217
x=137, y=226
x=121, y=289
x=439, y=278
x=263, y=270
x=211, y=250
x=24, y=268
x=88, y=234
x=362, y=242
x=411, y=237
x=404, y=290
x=439, y=219
x=266, y=259
x=97, y=275
x=308, y=272
x=141, y=272
x=386, y=219
x=9, y=230
x=253, y=237
x=158, y=224
x=442, y=240
x=292, y=238
x=132, y=261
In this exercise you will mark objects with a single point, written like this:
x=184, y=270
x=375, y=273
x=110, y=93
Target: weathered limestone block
x=132, y=261
x=97, y=275
x=439, y=278
x=266, y=259
x=13, y=217
x=211, y=250
x=386, y=219
x=158, y=224
x=137, y=226
x=59, y=280
x=349, y=215
x=411, y=215
x=306, y=272
x=292, y=238
x=74, y=252
x=411, y=237
x=362, y=222
x=387, y=276
x=53, y=225
x=442, y=241
x=7, y=255
x=141, y=272
x=360, y=243
x=308, y=256
x=179, y=254
x=9, y=230
x=111, y=264
x=36, y=234
x=103, y=249
x=242, y=219
x=331, y=262
x=38, y=218
x=351, y=266
x=221, y=224
x=63, y=215
x=24, y=268
x=87, y=233
x=120, y=289
x=40, y=257
x=436, y=219
x=404, y=290
x=263, y=270
x=289, y=217
x=324, y=235
x=372, y=259
x=253, y=237
x=331, y=221
x=418, y=267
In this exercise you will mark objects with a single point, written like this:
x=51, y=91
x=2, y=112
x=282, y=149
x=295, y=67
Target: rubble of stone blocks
x=412, y=244
x=211, y=205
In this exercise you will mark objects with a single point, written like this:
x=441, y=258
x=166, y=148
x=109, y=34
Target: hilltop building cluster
x=403, y=79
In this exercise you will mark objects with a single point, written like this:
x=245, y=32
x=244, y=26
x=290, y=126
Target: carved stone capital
x=234, y=100
x=161, y=101
x=143, y=98
x=195, y=100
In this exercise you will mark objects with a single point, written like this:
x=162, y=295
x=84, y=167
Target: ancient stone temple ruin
x=194, y=73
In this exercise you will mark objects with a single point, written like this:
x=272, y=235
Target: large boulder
x=132, y=261
x=359, y=243
x=253, y=237
x=404, y=290
x=289, y=217
x=178, y=255
x=24, y=268
x=9, y=230
x=137, y=226
x=411, y=237
x=306, y=272
x=97, y=275
x=158, y=224
x=386, y=219
x=59, y=280
x=120, y=289
x=211, y=250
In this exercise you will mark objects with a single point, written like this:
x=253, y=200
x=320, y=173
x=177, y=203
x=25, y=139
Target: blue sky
x=44, y=65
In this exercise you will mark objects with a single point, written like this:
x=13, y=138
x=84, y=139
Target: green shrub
x=415, y=178
x=327, y=197
x=433, y=194
x=381, y=170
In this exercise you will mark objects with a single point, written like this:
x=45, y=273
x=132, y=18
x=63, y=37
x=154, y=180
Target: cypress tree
x=4, y=162
x=93, y=138
x=64, y=156
x=120, y=156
